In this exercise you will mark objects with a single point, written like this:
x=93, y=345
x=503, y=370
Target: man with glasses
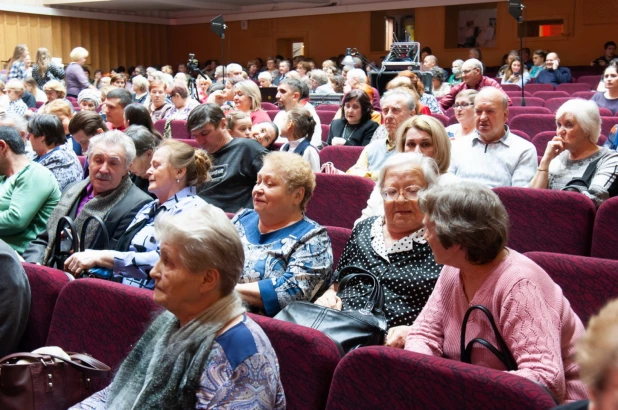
x=472, y=79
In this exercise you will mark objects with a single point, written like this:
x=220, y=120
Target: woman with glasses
x=182, y=102
x=392, y=247
x=464, y=113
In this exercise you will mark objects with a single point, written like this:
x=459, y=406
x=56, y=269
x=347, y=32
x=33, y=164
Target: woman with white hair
x=15, y=89
x=203, y=351
x=75, y=77
x=140, y=88
x=44, y=69
x=247, y=98
x=89, y=99
x=573, y=161
x=265, y=79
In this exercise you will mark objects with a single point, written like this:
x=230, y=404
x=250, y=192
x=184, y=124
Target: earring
x=178, y=180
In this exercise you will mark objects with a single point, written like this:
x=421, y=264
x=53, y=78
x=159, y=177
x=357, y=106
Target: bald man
x=553, y=73
x=493, y=156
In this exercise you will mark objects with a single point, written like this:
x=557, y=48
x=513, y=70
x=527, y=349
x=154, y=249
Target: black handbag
x=97, y=272
x=349, y=329
x=503, y=353
x=66, y=243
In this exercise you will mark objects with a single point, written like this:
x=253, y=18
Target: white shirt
x=316, y=138
x=310, y=154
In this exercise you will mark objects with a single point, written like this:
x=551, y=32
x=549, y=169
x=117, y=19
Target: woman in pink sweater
x=467, y=229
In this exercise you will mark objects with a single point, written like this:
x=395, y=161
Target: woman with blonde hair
x=75, y=76
x=16, y=65
x=4, y=98
x=44, y=69
x=247, y=98
x=54, y=90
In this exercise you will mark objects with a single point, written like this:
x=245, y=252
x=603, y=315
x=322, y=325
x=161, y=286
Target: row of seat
x=105, y=319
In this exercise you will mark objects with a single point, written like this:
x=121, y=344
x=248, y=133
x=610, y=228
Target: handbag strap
x=65, y=224
x=94, y=367
x=82, y=236
x=503, y=354
x=375, y=301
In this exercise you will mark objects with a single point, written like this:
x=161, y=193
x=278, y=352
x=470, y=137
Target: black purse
x=66, y=243
x=97, y=272
x=503, y=353
x=349, y=329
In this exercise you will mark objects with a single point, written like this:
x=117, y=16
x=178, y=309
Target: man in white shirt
x=292, y=93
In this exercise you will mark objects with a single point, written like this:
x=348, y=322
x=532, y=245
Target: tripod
x=515, y=10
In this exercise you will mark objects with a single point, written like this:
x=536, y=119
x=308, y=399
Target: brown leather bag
x=45, y=384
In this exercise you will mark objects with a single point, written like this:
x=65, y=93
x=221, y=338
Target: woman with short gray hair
x=203, y=351
x=572, y=160
x=467, y=229
x=439, y=86
x=392, y=247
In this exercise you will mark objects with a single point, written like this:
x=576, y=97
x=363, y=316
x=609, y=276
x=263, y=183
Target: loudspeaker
x=379, y=80
x=515, y=9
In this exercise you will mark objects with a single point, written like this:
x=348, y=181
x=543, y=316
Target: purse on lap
x=349, y=329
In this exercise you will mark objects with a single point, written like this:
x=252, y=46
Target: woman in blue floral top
x=288, y=257
x=176, y=169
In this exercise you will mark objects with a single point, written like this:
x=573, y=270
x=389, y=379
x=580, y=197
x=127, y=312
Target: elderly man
x=473, y=79
x=114, y=106
x=318, y=80
x=397, y=106
x=19, y=124
x=553, y=73
x=235, y=161
x=430, y=62
x=355, y=77
x=233, y=70
x=108, y=193
x=493, y=156
x=284, y=67
x=292, y=93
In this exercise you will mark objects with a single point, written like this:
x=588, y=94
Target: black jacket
x=360, y=137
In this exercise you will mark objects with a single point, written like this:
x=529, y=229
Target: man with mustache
x=493, y=156
x=397, y=106
x=107, y=193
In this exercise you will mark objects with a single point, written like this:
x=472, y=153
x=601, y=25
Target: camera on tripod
x=193, y=64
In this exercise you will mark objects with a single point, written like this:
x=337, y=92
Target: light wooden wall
x=110, y=43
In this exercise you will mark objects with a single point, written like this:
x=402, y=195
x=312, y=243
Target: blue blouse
x=292, y=263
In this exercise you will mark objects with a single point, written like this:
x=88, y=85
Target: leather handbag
x=66, y=242
x=502, y=352
x=349, y=329
x=48, y=382
x=96, y=272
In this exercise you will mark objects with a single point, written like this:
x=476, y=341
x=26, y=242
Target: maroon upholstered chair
x=540, y=141
x=546, y=95
x=450, y=112
x=538, y=87
x=272, y=113
x=101, y=318
x=586, y=95
x=605, y=112
x=515, y=111
x=381, y=377
x=191, y=142
x=532, y=124
x=591, y=80
x=338, y=200
x=45, y=286
x=441, y=117
x=530, y=102
x=339, y=237
x=607, y=123
x=511, y=87
x=39, y=104
x=452, y=120
x=325, y=131
x=82, y=159
x=538, y=220
x=587, y=283
x=518, y=93
x=575, y=87
x=328, y=107
x=268, y=106
x=605, y=233
x=342, y=157
x=326, y=117
x=521, y=134
x=307, y=361
x=179, y=130
x=159, y=125
x=554, y=103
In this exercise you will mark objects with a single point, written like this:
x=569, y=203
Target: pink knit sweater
x=531, y=313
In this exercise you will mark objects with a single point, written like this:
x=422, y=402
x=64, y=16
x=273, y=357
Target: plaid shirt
x=18, y=107
x=18, y=70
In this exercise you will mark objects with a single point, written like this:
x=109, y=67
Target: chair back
x=339, y=237
x=532, y=124
x=605, y=234
x=530, y=102
x=441, y=117
x=554, y=103
x=575, y=87
x=191, y=142
x=326, y=117
x=268, y=106
x=586, y=95
x=592, y=81
x=179, y=130
x=342, y=157
x=515, y=111
x=546, y=95
x=534, y=87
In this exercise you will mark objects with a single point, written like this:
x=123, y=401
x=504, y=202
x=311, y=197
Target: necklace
x=345, y=128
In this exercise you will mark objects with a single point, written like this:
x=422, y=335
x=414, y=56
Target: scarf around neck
x=164, y=368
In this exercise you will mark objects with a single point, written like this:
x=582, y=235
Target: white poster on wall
x=477, y=28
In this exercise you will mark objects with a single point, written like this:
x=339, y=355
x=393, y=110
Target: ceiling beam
x=196, y=4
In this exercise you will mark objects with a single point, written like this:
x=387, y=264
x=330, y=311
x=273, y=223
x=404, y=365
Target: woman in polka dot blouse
x=392, y=248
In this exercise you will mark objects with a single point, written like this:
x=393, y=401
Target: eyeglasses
x=391, y=194
x=461, y=106
x=467, y=71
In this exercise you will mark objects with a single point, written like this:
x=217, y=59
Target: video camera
x=193, y=64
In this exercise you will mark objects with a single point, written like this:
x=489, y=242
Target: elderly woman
x=44, y=69
x=15, y=89
x=392, y=247
x=29, y=193
x=265, y=79
x=356, y=127
x=175, y=171
x=158, y=107
x=140, y=88
x=288, y=257
x=145, y=145
x=574, y=154
x=467, y=229
x=516, y=73
x=54, y=90
x=298, y=129
x=182, y=102
x=207, y=352
x=89, y=100
x=247, y=98
x=464, y=113
x=538, y=58
x=75, y=77
x=608, y=98
x=48, y=139
x=266, y=133
x=439, y=86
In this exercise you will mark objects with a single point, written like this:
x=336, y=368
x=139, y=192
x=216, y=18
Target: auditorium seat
x=159, y=125
x=45, y=286
x=268, y=106
x=546, y=95
x=514, y=111
x=326, y=117
x=342, y=157
x=545, y=220
x=586, y=95
x=604, y=112
x=338, y=239
x=591, y=80
x=452, y=120
x=587, y=283
x=338, y=200
x=574, y=87
x=511, y=87
x=82, y=159
x=441, y=117
x=325, y=131
x=521, y=134
x=532, y=124
x=534, y=87
x=307, y=361
x=530, y=102
x=101, y=318
x=328, y=107
x=272, y=113
x=381, y=377
x=191, y=142
x=518, y=93
x=39, y=104
x=605, y=233
x=540, y=141
x=607, y=123
x=450, y=112
x=179, y=130
x=554, y=103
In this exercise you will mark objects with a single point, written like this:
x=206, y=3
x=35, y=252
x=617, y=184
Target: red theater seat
x=605, y=234
x=342, y=157
x=339, y=237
